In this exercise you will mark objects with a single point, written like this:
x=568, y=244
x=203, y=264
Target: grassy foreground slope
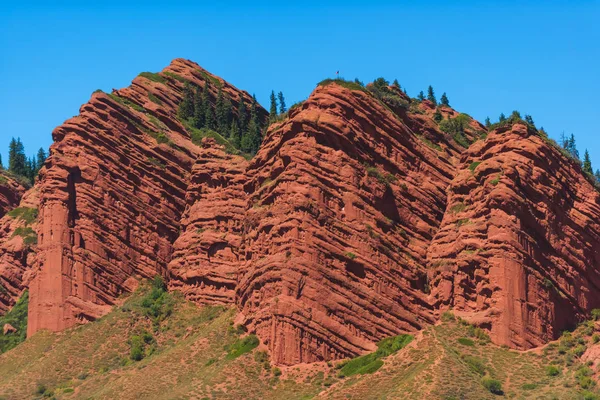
x=157, y=346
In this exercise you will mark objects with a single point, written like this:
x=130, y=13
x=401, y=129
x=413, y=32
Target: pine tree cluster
x=21, y=166
x=243, y=129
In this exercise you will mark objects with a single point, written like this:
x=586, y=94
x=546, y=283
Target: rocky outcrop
x=18, y=243
x=112, y=194
x=11, y=192
x=363, y=215
x=345, y=198
x=206, y=255
x=518, y=251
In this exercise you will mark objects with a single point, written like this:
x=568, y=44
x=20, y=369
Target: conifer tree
x=209, y=116
x=186, y=107
x=251, y=139
x=282, y=107
x=597, y=174
x=17, y=162
x=529, y=120
x=199, y=110
x=31, y=168
x=273, y=109
x=587, y=163
x=235, y=135
x=222, y=112
x=488, y=123
x=396, y=84
x=431, y=95
x=40, y=159
x=421, y=96
x=572, y=147
x=1, y=165
x=242, y=115
x=444, y=100
x=502, y=117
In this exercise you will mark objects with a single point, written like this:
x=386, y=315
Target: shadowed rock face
x=17, y=250
x=357, y=219
x=519, y=248
x=11, y=192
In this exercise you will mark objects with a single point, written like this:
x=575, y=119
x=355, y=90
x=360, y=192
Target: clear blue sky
x=541, y=58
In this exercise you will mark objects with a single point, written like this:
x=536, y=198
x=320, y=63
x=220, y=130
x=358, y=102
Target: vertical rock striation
x=519, y=248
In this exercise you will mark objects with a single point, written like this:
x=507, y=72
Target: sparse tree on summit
x=40, y=159
x=17, y=161
x=529, y=120
x=421, y=96
x=431, y=95
x=396, y=84
x=597, y=174
x=444, y=100
x=273, y=109
x=282, y=107
x=502, y=117
x=587, y=163
x=1, y=166
x=488, y=123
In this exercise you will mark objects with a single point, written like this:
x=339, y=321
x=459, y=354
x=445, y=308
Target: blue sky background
x=541, y=58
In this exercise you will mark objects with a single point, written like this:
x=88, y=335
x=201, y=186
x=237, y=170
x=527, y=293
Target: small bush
x=475, y=364
x=242, y=346
x=493, y=385
x=154, y=99
x=350, y=255
x=17, y=318
x=28, y=215
x=457, y=208
x=473, y=166
x=596, y=314
x=157, y=163
x=153, y=77
x=595, y=338
x=466, y=341
x=370, y=363
x=447, y=316
x=343, y=83
x=529, y=386
x=276, y=371
x=552, y=370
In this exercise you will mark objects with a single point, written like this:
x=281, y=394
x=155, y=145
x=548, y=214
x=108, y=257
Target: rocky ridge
x=360, y=217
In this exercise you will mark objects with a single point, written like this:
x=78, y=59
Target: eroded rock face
x=206, y=256
x=18, y=237
x=112, y=195
x=359, y=218
x=518, y=250
x=11, y=192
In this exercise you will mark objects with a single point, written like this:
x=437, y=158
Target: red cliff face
x=360, y=217
x=11, y=192
x=518, y=250
x=18, y=240
x=112, y=195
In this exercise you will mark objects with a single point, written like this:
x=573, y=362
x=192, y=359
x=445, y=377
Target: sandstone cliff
x=11, y=192
x=112, y=195
x=363, y=215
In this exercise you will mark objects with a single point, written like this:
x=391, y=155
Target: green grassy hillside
x=158, y=346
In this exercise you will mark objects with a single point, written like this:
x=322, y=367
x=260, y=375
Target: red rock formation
x=112, y=195
x=345, y=199
x=206, y=255
x=18, y=249
x=359, y=218
x=11, y=192
x=518, y=250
